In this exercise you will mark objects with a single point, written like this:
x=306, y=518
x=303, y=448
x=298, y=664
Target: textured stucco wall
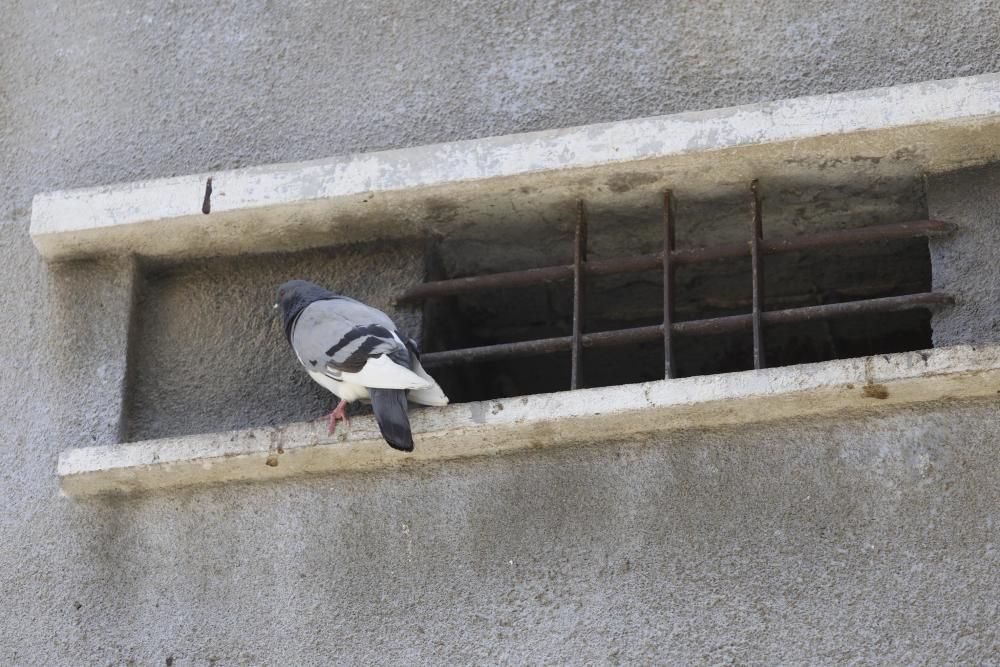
x=210, y=354
x=967, y=263
x=839, y=540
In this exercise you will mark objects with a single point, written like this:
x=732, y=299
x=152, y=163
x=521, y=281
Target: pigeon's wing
x=432, y=394
x=355, y=343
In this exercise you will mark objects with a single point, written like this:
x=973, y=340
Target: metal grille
x=668, y=260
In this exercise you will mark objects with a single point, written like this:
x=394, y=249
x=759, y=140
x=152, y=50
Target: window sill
x=540, y=421
x=932, y=126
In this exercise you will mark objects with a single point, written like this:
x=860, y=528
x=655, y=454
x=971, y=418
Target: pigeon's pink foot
x=339, y=412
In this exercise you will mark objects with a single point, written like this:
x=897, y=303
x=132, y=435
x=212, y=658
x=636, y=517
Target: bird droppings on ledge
x=875, y=391
x=272, y=460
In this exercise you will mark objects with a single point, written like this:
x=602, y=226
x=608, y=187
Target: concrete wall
x=966, y=263
x=209, y=351
x=848, y=539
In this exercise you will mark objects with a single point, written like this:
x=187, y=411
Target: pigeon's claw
x=339, y=412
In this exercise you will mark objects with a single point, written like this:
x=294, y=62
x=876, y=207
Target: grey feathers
x=343, y=335
x=294, y=296
x=357, y=353
x=369, y=338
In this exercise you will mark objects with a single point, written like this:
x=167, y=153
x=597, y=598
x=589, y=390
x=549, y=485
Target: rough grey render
x=856, y=539
x=967, y=264
x=210, y=353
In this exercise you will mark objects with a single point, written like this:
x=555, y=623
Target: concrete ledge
x=544, y=420
x=929, y=127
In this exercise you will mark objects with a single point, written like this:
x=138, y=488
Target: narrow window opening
x=881, y=274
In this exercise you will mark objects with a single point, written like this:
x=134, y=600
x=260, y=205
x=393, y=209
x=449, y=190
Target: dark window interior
x=708, y=290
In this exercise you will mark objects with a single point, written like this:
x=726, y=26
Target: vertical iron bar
x=579, y=260
x=669, y=370
x=757, y=260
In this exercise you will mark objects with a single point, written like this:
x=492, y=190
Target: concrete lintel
x=931, y=126
x=544, y=420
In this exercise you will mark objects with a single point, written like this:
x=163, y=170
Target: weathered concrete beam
x=931, y=127
x=545, y=420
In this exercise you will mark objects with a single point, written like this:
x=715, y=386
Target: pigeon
x=357, y=353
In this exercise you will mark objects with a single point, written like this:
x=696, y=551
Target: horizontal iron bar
x=715, y=325
x=639, y=263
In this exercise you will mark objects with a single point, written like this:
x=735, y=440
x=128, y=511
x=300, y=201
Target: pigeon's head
x=295, y=295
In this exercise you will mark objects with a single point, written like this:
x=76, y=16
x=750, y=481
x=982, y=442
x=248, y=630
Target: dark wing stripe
x=357, y=332
x=357, y=359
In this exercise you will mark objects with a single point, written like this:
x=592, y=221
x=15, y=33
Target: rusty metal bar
x=579, y=290
x=640, y=263
x=757, y=267
x=669, y=370
x=890, y=304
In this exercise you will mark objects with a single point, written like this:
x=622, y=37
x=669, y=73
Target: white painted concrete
x=932, y=126
x=545, y=420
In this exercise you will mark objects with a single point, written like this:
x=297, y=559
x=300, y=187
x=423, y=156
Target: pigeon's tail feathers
x=389, y=406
